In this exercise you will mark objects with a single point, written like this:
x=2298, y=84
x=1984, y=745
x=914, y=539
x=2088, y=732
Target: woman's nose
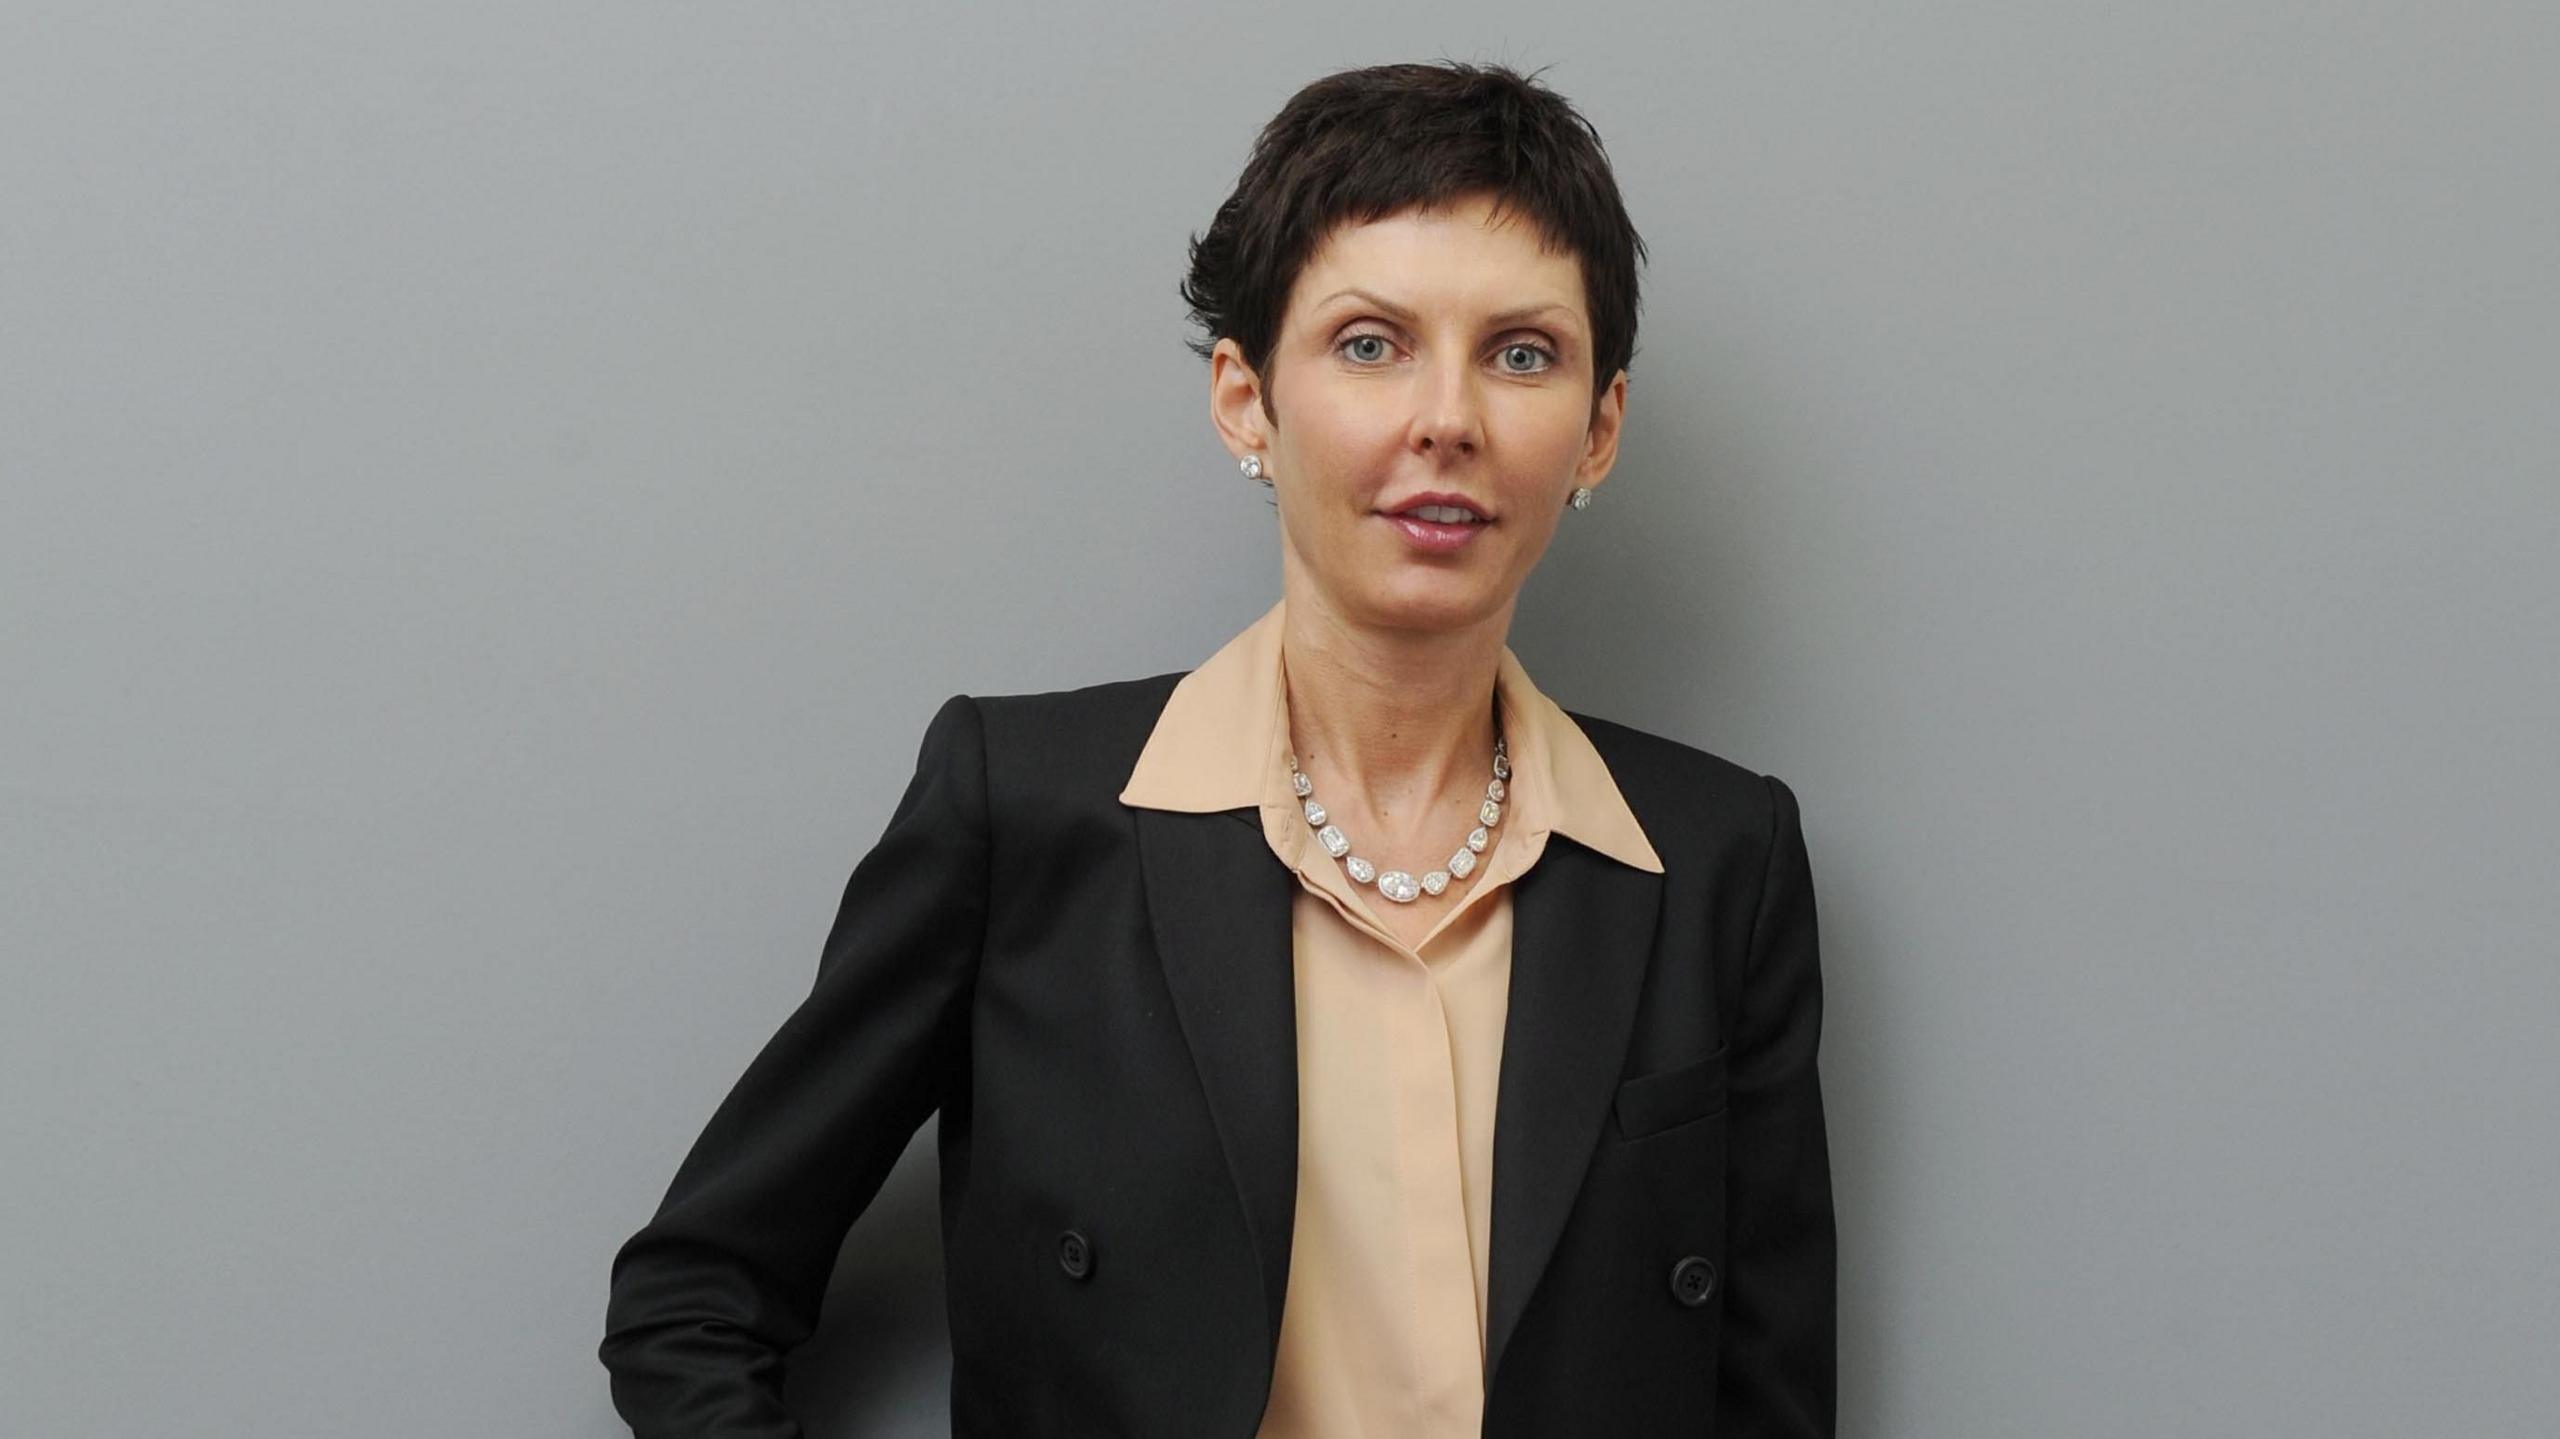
x=1448, y=413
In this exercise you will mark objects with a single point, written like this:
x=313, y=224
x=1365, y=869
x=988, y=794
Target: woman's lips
x=1432, y=536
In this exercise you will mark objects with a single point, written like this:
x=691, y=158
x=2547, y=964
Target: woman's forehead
x=1416, y=262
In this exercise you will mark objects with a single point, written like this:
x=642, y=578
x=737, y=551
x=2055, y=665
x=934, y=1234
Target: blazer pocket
x=1650, y=1103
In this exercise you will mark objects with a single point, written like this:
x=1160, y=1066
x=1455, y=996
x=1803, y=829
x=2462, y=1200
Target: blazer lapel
x=1219, y=906
x=1582, y=928
x=1582, y=933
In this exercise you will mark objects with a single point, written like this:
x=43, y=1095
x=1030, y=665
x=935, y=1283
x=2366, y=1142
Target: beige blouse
x=1399, y=1049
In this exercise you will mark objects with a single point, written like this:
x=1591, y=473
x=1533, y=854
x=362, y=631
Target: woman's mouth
x=1438, y=529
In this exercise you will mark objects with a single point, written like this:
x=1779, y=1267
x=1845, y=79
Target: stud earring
x=1252, y=467
x=1581, y=497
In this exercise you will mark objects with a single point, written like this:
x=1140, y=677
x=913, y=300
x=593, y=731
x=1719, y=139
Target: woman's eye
x=1518, y=358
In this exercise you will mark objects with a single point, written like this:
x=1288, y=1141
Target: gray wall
x=490, y=494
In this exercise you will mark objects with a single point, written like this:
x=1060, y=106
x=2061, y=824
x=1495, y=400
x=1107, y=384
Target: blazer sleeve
x=709, y=1297
x=1777, y=1371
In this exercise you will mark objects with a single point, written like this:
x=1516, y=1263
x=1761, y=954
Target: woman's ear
x=1608, y=418
x=1238, y=405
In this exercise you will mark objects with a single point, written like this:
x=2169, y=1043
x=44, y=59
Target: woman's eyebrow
x=1406, y=316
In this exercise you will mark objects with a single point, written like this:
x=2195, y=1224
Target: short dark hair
x=1364, y=144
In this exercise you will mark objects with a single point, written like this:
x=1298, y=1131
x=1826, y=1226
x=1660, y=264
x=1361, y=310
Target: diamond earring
x=1581, y=497
x=1252, y=467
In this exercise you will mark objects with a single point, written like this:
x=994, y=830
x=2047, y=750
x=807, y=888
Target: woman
x=1339, y=1037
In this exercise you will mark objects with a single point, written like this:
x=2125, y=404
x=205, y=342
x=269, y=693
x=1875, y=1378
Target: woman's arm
x=1776, y=1376
x=710, y=1296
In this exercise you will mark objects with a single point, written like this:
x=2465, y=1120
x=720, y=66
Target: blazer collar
x=1584, y=922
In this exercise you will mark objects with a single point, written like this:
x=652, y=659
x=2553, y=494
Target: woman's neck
x=1390, y=719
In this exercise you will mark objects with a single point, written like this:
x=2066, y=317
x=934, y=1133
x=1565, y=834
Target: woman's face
x=1424, y=352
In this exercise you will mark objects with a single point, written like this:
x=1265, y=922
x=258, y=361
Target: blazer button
x=1692, y=1280
x=1075, y=1255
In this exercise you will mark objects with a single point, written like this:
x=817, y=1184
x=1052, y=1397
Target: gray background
x=493, y=493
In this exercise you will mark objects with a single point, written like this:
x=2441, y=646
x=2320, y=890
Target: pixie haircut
x=1365, y=144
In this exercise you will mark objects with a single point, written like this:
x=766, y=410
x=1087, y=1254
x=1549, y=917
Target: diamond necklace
x=1395, y=884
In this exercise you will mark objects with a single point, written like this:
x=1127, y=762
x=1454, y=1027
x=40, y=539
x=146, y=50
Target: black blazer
x=1098, y=999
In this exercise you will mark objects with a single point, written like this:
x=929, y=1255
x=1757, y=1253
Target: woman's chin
x=1436, y=602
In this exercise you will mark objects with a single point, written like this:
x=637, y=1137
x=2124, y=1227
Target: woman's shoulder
x=1106, y=705
x=1673, y=784
x=1092, y=733
x=1653, y=755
